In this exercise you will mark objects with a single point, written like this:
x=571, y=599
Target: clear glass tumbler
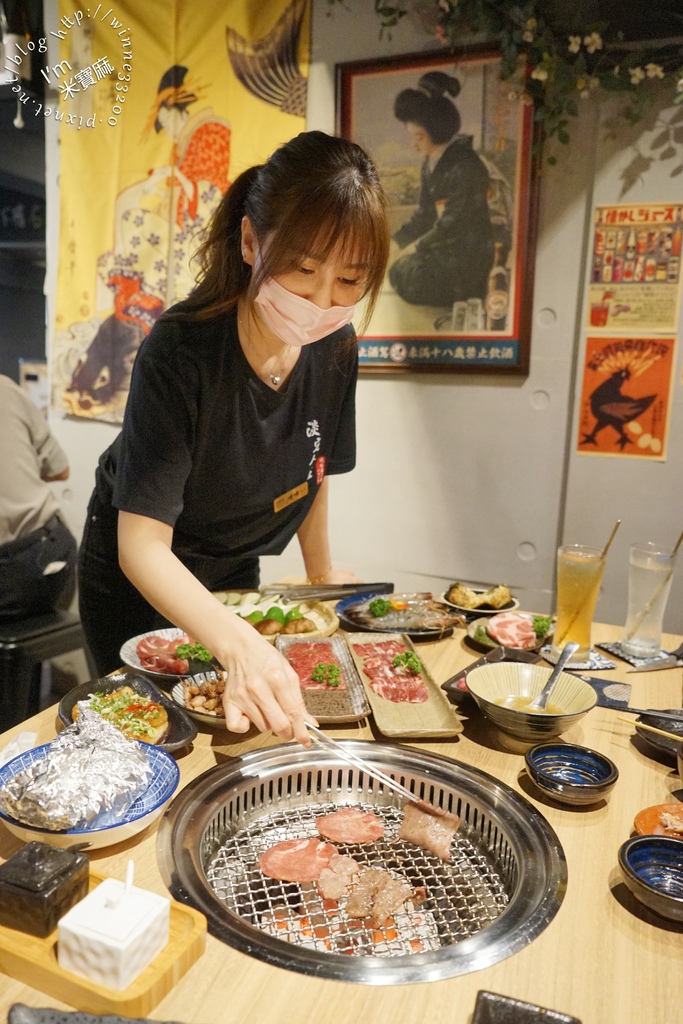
x=650, y=570
x=579, y=575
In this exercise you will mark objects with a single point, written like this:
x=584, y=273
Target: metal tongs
x=324, y=591
x=323, y=740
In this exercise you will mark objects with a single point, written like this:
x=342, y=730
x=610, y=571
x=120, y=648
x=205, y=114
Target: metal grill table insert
x=503, y=884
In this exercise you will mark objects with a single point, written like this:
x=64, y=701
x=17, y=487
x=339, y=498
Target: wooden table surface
x=604, y=958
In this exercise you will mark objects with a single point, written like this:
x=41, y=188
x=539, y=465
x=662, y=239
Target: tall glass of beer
x=579, y=575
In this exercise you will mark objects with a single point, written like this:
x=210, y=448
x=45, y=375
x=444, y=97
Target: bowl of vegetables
x=514, y=630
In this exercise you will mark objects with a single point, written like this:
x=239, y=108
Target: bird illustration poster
x=161, y=106
x=626, y=397
x=635, y=280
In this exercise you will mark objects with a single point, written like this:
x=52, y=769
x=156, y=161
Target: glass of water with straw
x=651, y=567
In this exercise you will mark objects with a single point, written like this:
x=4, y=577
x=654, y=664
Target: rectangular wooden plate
x=436, y=717
x=328, y=706
x=33, y=961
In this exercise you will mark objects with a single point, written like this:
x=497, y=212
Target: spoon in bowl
x=539, y=703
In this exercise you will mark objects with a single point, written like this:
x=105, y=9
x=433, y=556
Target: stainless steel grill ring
x=504, y=883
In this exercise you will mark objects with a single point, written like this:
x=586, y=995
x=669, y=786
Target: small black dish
x=182, y=729
x=661, y=744
x=571, y=774
x=492, y=1008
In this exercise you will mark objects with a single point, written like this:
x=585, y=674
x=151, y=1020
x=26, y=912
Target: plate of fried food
x=483, y=601
x=201, y=697
x=272, y=617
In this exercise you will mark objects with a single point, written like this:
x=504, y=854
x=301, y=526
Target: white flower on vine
x=540, y=73
x=593, y=82
x=574, y=44
x=679, y=85
x=528, y=36
x=445, y=6
x=654, y=71
x=637, y=75
x=593, y=42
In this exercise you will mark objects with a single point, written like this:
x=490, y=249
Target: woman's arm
x=315, y=543
x=261, y=685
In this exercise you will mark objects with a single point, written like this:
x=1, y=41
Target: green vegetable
x=329, y=674
x=482, y=636
x=255, y=616
x=408, y=660
x=194, y=652
x=541, y=624
x=380, y=607
x=275, y=613
x=294, y=613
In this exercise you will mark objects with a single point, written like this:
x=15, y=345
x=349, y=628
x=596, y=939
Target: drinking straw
x=556, y=641
x=660, y=588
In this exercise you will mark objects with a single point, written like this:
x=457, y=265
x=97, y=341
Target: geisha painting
x=126, y=257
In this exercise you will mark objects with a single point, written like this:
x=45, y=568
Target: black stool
x=23, y=646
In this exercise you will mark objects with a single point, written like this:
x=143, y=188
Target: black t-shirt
x=210, y=449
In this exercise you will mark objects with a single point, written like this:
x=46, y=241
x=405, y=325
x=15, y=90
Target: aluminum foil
x=88, y=779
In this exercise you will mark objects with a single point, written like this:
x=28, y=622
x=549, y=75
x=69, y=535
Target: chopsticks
x=358, y=762
x=660, y=732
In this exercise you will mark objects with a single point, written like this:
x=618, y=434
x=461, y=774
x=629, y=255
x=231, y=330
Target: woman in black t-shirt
x=241, y=406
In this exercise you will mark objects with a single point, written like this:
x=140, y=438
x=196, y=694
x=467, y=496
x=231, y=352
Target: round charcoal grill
x=504, y=883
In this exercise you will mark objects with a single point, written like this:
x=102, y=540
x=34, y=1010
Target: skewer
x=650, y=728
x=655, y=596
x=558, y=641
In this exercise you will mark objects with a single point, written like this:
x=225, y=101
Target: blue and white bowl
x=571, y=774
x=652, y=867
x=141, y=813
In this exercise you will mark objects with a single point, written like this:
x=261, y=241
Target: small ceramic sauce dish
x=571, y=774
x=652, y=868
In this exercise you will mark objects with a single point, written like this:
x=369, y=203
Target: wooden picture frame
x=459, y=298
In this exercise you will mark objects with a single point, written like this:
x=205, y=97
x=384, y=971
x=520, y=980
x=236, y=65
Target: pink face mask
x=295, y=320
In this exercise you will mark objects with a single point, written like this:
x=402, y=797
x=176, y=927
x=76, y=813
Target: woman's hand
x=262, y=688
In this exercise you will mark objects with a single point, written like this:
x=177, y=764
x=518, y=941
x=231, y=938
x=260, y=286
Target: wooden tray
x=436, y=717
x=33, y=961
x=328, y=706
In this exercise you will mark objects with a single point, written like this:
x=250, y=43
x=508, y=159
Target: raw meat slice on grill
x=431, y=832
x=335, y=879
x=350, y=825
x=159, y=655
x=512, y=630
x=296, y=860
x=376, y=895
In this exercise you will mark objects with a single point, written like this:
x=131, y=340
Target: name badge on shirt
x=290, y=497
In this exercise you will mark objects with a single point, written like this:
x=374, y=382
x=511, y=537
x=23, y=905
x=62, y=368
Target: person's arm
x=315, y=543
x=261, y=686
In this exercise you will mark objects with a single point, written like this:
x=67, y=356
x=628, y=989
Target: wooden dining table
x=604, y=958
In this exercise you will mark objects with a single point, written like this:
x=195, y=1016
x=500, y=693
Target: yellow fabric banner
x=161, y=105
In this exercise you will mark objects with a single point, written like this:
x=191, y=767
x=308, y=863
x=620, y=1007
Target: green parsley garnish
x=194, y=652
x=408, y=660
x=379, y=607
x=329, y=674
x=541, y=624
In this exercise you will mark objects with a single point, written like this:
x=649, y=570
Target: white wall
x=465, y=477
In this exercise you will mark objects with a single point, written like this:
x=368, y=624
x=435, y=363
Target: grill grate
x=463, y=895
x=503, y=884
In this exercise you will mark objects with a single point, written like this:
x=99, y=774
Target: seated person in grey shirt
x=37, y=550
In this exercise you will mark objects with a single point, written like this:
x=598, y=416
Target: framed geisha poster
x=452, y=142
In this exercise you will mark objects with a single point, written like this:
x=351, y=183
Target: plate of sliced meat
x=516, y=630
x=404, y=698
x=331, y=686
x=156, y=652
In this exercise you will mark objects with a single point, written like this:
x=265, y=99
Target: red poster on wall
x=626, y=396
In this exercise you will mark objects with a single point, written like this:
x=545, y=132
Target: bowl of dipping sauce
x=652, y=868
x=504, y=691
x=571, y=774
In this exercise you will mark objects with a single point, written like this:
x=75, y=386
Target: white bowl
x=143, y=811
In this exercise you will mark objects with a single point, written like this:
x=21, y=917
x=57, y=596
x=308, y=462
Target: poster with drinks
x=626, y=396
x=635, y=282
